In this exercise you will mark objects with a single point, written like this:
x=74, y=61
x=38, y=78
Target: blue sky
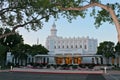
x=78, y=28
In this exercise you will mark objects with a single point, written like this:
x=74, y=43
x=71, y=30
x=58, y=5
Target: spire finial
x=54, y=24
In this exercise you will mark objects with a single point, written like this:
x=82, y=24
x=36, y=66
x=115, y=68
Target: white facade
x=59, y=45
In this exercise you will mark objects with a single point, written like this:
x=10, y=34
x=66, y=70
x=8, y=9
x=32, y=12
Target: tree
x=117, y=50
x=10, y=41
x=2, y=54
x=38, y=49
x=21, y=52
x=106, y=49
x=108, y=12
x=30, y=13
x=7, y=43
x=25, y=13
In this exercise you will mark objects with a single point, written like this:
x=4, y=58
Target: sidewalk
x=112, y=75
x=55, y=71
x=4, y=70
x=113, y=72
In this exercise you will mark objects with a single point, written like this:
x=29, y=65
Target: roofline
x=79, y=55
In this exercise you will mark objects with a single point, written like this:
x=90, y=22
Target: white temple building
x=80, y=45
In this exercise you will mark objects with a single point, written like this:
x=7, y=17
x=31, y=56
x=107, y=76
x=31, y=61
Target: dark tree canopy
x=106, y=49
x=12, y=40
x=2, y=54
x=38, y=49
x=31, y=14
x=117, y=48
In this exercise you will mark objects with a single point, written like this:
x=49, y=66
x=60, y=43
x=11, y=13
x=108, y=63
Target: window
x=85, y=47
x=71, y=46
x=62, y=46
x=58, y=46
x=67, y=46
x=76, y=46
x=55, y=47
x=80, y=46
x=48, y=47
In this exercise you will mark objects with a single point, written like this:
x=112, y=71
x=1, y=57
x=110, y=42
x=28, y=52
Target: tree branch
x=7, y=34
x=86, y=6
x=3, y=11
x=107, y=8
x=32, y=21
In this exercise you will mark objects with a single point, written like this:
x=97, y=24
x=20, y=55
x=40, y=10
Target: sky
x=78, y=28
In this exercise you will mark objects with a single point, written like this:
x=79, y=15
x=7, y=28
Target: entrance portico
x=69, y=59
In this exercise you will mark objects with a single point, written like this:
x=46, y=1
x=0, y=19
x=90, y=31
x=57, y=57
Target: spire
x=54, y=26
x=53, y=30
x=37, y=41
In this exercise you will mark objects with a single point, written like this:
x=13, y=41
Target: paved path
x=56, y=71
x=113, y=75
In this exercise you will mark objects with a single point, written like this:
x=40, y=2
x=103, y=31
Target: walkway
x=56, y=71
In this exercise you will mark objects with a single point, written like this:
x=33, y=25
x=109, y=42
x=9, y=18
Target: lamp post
x=8, y=56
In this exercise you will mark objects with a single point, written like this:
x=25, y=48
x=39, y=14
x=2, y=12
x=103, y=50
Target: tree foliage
x=25, y=13
x=38, y=49
x=10, y=41
x=2, y=54
x=30, y=14
x=7, y=43
x=108, y=12
x=21, y=51
x=117, y=48
x=74, y=8
x=106, y=49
